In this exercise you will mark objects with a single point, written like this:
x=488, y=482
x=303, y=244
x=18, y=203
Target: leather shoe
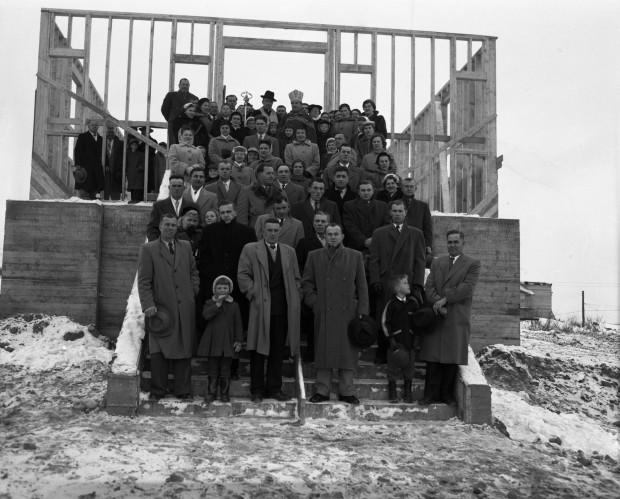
x=280, y=396
x=257, y=398
x=349, y=399
x=317, y=398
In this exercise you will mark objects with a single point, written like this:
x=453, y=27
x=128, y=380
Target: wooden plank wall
x=124, y=230
x=495, y=242
x=51, y=259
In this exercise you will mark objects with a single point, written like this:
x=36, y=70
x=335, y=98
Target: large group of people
x=314, y=235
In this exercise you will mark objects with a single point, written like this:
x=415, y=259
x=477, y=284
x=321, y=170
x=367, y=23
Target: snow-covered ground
x=56, y=440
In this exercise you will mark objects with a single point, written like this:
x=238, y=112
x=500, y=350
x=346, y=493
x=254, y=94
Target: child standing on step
x=222, y=338
x=403, y=341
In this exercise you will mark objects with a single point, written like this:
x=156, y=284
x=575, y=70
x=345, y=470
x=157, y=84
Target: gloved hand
x=393, y=344
x=377, y=288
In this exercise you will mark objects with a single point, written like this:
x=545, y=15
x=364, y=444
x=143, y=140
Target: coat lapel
x=460, y=262
x=165, y=253
x=261, y=256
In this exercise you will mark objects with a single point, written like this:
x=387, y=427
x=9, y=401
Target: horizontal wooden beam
x=192, y=59
x=68, y=53
x=64, y=121
x=425, y=137
x=236, y=42
x=356, y=68
x=154, y=124
x=471, y=75
x=254, y=23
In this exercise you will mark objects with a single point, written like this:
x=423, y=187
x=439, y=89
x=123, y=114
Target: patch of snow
x=472, y=373
x=436, y=213
x=130, y=338
x=38, y=343
x=529, y=422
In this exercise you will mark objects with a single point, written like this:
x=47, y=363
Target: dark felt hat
x=425, y=317
x=159, y=324
x=401, y=357
x=312, y=106
x=80, y=175
x=363, y=331
x=269, y=95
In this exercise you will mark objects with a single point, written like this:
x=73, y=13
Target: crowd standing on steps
x=288, y=226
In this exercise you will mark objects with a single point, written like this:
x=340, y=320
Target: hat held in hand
x=80, y=175
x=363, y=331
x=159, y=324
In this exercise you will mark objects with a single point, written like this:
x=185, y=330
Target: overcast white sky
x=558, y=114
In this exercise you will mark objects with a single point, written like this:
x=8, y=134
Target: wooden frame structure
x=451, y=149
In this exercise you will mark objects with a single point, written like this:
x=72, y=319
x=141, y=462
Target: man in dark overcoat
x=168, y=279
x=172, y=105
x=87, y=155
x=304, y=210
x=227, y=190
x=340, y=192
x=334, y=286
x=418, y=213
x=450, y=287
x=395, y=249
x=175, y=203
x=269, y=277
x=113, y=171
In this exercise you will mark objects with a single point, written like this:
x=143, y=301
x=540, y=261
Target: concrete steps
x=368, y=410
x=368, y=389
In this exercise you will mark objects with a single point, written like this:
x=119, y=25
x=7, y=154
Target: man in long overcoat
x=87, y=155
x=395, y=249
x=172, y=105
x=334, y=287
x=168, y=279
x=269, y=277
x=450, y=286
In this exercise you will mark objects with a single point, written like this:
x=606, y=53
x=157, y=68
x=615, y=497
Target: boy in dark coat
x=396, y=324
x=222, y=338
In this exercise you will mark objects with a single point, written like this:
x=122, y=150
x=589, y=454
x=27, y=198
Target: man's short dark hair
x=334, y=224
x=276, y=198
x=397, y=201
x=260, y=117
x=182, y=80
x=264, y=142
x=168, y=215
x=365, y=182
x=261, y=167
x=344, y=104
x=323, y=214
x=272, y=220
x=455, y=231
x=226, y=203
x=236, y=113
x=340, y=169
x=196, y=169
x=225, y=122
x=318, y=180
x=176, y=177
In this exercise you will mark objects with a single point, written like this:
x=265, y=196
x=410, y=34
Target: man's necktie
x=397, y=227
x=451, y=263
x=171, y=248
x=176, y=207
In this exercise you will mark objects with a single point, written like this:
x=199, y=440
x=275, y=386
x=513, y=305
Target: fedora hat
x=269, y=95
x=159, y=324
x=80, y=175
x=425, y=318
x=362, y=331
x=401, y=357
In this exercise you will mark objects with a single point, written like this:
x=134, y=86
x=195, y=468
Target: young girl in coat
x=222, y=338
x=403, y=342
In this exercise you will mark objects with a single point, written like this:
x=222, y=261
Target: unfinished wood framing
x=449, y=148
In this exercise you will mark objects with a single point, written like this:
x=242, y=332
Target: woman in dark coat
x=370, y=111
x=135, y=172
x=299, y=175
x=190, y=119
x=391, y=189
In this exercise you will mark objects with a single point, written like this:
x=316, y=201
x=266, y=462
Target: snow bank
x=439, y=213
x=38, y=342
x=529, y=422
x=130, y=338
